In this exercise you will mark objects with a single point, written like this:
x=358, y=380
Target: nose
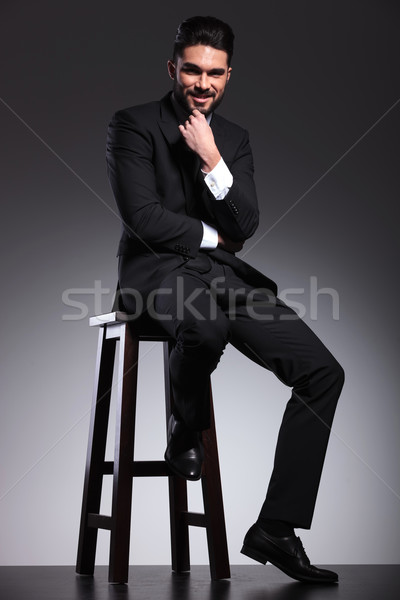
x=203, y=82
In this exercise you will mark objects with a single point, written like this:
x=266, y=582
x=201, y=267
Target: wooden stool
x=114, y=327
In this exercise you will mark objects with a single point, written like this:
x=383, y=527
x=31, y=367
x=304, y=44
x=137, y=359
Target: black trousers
x=204, y=305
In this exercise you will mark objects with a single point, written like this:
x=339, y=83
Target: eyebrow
x=216, y=71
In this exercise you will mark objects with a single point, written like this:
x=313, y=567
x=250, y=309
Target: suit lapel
x=219, y=133
x=168, y=122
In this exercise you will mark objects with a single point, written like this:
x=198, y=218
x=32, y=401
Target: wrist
x=209, y=162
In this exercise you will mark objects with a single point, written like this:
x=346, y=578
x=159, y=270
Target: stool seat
x=118, y=326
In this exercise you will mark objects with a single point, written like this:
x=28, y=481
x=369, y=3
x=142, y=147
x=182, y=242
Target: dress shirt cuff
x=219, y=180
x=210, y=238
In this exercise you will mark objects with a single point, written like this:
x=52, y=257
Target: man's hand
x=199, y=137
x=229, y=245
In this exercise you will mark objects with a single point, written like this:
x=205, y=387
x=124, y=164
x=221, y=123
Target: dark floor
x=357, y=582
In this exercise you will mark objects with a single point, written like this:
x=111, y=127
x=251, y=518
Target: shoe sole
x=263, y=559
x=179, y=474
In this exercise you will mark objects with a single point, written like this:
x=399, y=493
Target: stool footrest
x=99, y=521
x=108, y=468
x=150, y=468
x=194, y=519
x=189, y=518
x=141, y=468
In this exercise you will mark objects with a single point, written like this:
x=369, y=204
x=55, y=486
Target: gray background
x=315, y=83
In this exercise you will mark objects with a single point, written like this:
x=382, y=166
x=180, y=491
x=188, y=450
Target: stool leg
x=96, y=452
x=213, y=504
x=178, y=502
x=123, y=458
x=212, y=498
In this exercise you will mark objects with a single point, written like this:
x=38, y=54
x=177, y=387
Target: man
x=182, y=177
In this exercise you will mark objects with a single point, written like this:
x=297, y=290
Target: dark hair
x=208, y=31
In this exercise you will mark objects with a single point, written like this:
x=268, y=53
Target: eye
x=190, y=71
x=216, y=73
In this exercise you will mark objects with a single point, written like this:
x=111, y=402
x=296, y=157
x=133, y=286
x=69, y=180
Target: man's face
x=200, y=76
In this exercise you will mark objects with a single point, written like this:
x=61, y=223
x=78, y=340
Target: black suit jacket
x=162, y=198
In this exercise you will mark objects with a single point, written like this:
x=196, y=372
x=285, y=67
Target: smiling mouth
x=201, y=99
x=199, y=95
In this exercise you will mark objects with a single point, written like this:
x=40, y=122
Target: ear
x=228, y=74
x=171, y=69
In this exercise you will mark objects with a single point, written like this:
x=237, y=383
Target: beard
x=184, y=101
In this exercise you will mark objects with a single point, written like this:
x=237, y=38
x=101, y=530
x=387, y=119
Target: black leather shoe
x=184, y=453
x=286, y=553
